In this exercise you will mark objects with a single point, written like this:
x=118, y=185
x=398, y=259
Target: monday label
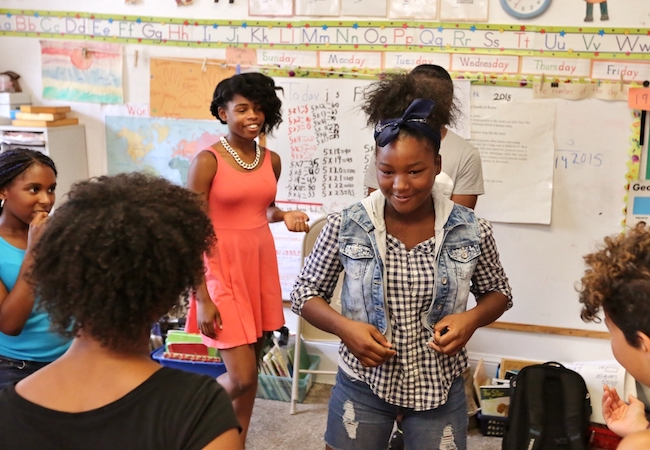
x=361, y=60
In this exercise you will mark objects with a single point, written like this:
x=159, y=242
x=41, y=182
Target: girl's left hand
x=296, y=221
x=451, y=333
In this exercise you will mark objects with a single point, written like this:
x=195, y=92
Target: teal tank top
x=36, y=342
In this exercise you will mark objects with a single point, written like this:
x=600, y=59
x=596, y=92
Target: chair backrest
x=310, y=332
x=311, y=236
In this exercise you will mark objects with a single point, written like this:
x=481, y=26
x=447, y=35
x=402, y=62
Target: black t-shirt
x=170, y=410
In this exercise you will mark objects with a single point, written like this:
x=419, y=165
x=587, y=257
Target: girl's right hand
x=367, y=343
x=208, y=317
x=36, y=227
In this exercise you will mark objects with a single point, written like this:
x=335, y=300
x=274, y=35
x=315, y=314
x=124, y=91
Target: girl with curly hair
x=411, y=257
x=114, y=259
x=240, y=298
x=27, y=184
x=617, y=280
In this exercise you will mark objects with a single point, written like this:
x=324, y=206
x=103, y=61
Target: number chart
x=324, y=142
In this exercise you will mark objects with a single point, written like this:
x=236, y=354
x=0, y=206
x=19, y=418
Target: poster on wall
x=465, y=10
x=184, y=89
x=318, y=8
x=82, y=72
x=363, y=8
x=163, y=147
x=270, y=7
x=517, y=153
x=413, y=9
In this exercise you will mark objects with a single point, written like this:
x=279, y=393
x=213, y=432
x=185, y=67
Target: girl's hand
x=208, y=317
x=296, y=221
x=623, y=418
x=36, y=227
x=451, y=333
x=367, y=343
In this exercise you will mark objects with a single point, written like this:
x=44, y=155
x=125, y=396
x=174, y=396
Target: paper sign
x=639, y=98
x=413, y=9
x=242, y=56
x=318, y=8
x=638, y=203
x=474, y=10
x=572, y=67
x=485, y=63
x=286, y=58
x=361, y=60
x=363, y=8
x=614, y=70
x=183, y=89
x=579, y=91
x=408, y=60
x=600, y=373
x=288, y=246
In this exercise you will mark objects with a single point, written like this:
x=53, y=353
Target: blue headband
x=415, y=117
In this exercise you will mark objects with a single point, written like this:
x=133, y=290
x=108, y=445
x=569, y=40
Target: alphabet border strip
x=390, y=35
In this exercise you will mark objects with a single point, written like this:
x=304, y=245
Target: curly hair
x=617, y=279
x=16, y=161
x=389, y=97
x=118, y=255
x=257, y=88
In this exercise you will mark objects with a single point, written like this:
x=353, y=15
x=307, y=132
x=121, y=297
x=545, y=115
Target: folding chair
x=305, y=329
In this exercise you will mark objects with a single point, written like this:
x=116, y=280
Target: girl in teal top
x=27, y=184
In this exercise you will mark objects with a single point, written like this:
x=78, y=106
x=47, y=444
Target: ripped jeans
x=359, y=420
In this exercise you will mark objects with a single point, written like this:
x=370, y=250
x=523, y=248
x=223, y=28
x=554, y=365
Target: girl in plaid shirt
x=411, y=257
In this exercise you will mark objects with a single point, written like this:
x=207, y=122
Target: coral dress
x=242, y=275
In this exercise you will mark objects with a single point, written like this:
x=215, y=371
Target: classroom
x=543, y=94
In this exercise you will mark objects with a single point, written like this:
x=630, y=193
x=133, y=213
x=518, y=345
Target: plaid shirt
x=417, y=377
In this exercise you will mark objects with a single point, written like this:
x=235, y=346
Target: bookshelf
x=66, y=145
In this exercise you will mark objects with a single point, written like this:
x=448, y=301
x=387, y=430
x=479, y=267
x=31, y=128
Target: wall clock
x=525, y=9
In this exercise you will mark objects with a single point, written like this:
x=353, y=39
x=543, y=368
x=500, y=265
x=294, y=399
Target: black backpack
x=549, y=409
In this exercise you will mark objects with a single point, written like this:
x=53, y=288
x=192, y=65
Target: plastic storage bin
x=279, y=388
x=492, y=425
x=205, y=368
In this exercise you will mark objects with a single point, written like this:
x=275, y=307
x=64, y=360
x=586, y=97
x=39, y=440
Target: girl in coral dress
x=237, y=179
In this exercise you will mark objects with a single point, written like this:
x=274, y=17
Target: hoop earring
x=2, y=203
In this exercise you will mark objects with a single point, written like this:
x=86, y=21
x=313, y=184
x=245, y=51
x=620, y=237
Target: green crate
x=279, y=388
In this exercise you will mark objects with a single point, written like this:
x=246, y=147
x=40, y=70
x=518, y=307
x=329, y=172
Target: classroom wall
x=22, y=55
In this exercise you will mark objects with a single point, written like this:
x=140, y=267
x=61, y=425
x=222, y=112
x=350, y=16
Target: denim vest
x=362, y=247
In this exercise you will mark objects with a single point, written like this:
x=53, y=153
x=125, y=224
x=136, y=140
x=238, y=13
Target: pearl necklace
x=238, y=160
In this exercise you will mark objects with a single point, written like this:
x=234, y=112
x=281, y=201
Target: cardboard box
x=514, y=366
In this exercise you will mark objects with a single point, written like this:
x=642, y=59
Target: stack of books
x=43, y=116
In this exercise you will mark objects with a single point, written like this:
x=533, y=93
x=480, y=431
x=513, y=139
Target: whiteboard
x=544, y=262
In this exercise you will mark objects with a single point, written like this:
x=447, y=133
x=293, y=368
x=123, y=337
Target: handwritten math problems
x=323, y=142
